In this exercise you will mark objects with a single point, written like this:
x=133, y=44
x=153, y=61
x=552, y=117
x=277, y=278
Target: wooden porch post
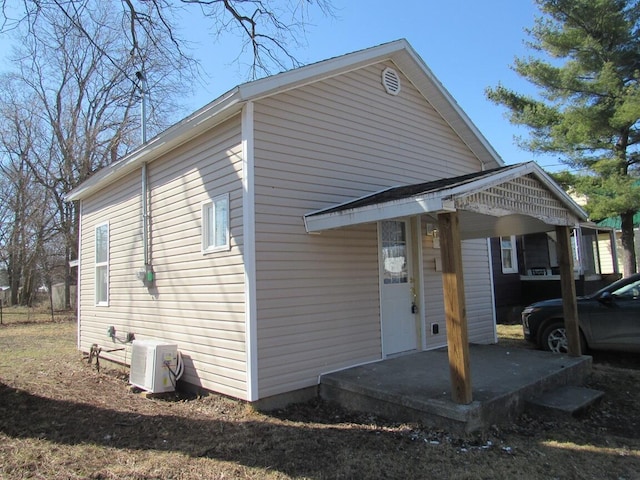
x=568, y=289
x=455, y=307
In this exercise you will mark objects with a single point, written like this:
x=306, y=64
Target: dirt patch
x=60, y=418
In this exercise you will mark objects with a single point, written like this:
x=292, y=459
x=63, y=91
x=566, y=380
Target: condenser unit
x=153, y=365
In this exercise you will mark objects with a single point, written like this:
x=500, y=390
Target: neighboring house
x=57, y=291
x=5, y=289
x=5, y=295
x=525, y=267
x=615, y=223
x=261, y=234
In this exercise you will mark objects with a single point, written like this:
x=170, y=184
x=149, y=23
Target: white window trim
x=204, y=225
x=514, y=255
x=103, y=303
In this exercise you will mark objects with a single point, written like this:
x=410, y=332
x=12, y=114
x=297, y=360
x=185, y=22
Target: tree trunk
x=14, y=281
x=629, y=261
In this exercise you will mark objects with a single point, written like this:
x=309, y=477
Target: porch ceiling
x=509, y=200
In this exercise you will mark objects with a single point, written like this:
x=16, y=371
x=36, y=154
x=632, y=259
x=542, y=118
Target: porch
x=417, y=387
x=508, y=200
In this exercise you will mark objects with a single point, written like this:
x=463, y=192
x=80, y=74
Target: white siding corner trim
x=79, y=276
x=249, y=234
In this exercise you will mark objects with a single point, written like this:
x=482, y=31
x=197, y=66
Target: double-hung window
x=508, y=254
x=102, y=264
x=215, y=224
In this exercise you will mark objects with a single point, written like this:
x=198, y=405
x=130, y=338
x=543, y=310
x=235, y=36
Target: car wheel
x=554, y=338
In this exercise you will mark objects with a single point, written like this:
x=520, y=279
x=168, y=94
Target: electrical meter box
x=153, y=365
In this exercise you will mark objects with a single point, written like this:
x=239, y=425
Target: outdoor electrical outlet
x=435, y=328
x=111, y=331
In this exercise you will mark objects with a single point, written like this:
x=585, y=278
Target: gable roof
x=485, y=199
x=232, y=102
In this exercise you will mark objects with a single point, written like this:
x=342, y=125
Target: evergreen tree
x=587, y=69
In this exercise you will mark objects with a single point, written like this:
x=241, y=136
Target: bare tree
x=267, y=28
x=80, y=107
x=77, y=90
x=25, y=215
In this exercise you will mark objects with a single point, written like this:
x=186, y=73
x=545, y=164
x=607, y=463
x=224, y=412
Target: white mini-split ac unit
x=154, y=365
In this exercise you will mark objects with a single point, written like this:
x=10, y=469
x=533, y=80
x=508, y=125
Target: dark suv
x=609, y=319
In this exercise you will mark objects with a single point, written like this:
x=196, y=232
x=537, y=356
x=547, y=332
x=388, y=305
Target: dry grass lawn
x=61, y=419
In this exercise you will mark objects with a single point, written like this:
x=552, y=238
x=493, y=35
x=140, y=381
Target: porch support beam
x=568, y=289
x=455, y=307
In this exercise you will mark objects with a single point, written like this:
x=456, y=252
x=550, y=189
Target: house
x=5, y=295
x=615, y=223
x=301, y=224
x=526, y=268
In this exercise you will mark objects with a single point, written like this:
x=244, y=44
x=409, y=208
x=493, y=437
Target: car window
x=628, y=292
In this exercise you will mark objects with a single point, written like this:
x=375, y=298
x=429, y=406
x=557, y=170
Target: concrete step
x=564, y=401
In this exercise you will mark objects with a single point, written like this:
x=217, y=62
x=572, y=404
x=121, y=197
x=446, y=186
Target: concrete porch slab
x=417, y=387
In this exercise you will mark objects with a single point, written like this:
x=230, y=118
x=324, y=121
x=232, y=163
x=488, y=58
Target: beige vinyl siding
x=433, y=295
x=477, y=288
x=198, y=300
x=315, y=308
x=316, y=146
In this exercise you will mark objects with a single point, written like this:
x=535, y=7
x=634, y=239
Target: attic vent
x=391, y=81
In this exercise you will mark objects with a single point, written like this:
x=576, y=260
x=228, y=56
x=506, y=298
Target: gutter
x=193, y=125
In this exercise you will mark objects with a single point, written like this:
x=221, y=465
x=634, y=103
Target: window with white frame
x=508, y=254
x=215, y=224
x=102, y=264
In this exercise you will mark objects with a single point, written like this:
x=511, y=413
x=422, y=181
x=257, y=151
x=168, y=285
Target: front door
x=396, y=288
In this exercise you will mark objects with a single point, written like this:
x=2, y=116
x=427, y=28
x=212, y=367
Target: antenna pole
x=143, y=113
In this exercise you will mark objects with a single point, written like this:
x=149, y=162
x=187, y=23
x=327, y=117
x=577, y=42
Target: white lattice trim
x=523, y=195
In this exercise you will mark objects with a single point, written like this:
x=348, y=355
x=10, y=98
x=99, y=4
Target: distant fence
x=43, y=297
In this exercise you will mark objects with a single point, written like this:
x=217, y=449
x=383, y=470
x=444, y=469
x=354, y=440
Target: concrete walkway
x=417, y=387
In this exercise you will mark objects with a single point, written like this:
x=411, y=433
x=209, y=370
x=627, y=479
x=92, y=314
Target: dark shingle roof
x=407, y=191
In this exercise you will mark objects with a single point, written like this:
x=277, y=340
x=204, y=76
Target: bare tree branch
x=268, y=28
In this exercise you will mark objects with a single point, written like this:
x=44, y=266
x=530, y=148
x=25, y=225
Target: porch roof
x=508, y=200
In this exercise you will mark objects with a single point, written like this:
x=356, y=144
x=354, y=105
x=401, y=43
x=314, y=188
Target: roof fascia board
x=317, y=212
x=374, y=213
x=436, y=201
x=315, y=221
x=332, y=67
x=193, y=125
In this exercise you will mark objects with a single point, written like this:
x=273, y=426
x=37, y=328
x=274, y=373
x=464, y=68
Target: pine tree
x=587, y=69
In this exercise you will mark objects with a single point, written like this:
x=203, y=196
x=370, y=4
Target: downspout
x=147, y=273
x=145, y=219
